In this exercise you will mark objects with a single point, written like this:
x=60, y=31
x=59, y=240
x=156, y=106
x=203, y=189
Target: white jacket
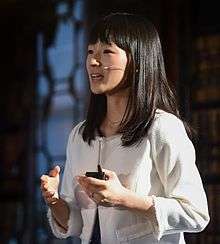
x=163, y=166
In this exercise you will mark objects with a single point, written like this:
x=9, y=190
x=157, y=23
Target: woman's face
x=105, y=65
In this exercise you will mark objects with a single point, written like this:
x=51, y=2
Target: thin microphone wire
x=112, y=67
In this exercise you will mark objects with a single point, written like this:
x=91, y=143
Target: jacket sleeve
x=67, y=194
x=183, y=208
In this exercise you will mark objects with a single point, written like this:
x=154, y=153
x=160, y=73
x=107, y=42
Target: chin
x=97, y=91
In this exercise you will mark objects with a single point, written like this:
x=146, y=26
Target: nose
x=95, y=60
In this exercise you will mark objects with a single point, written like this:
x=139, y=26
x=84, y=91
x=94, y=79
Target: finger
x=86, y=190
x=55, y=171
x=95, y=197
x=87, y=184
x=50, y=200
x=48, y=194
x=89, y=193
x=110, y=174
x=94, y=182
x=105, y=204
x=44, y=187
x=89, y=188
x=43, y=183
x=45, y=195
x=44, y=178
x=80, y=177
x=83, y=180
x=43, y=190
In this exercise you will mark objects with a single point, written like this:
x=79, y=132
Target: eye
x=108, y=51
x=90, y=51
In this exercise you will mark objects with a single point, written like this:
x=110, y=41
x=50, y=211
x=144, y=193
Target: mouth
x=96, y=76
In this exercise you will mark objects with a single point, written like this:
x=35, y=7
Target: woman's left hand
x=108, y=192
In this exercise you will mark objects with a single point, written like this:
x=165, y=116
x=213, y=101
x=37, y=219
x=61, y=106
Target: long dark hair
x=145, y=74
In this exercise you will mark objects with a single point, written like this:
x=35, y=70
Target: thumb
x=55, y=171
x=57, y=168
x=109, y=173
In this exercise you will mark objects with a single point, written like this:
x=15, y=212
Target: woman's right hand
x=50, y=185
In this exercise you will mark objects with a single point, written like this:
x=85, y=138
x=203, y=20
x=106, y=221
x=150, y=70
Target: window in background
x=61, y=91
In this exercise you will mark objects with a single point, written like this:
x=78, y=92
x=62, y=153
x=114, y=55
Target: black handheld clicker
x=98, y=175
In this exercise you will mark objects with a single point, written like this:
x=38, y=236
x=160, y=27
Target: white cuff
x=155, y=218
x=74, y=224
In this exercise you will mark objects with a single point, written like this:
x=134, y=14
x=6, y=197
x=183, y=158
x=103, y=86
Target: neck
x=116, y=106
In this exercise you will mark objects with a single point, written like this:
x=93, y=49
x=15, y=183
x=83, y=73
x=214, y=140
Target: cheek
x=123, y=58
x=114, y=78
x=87, y=64
x=106, y=61
x=124, y=61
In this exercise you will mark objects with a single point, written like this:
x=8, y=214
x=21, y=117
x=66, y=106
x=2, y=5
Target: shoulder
x=167, y=127
x=169, y=139
x=76, y=131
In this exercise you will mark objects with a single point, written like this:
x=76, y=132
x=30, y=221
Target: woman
x=152, y=191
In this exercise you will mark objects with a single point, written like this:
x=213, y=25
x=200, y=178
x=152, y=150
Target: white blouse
x=162, y=165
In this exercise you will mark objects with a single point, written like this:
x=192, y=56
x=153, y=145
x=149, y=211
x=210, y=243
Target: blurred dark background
x=44, y=93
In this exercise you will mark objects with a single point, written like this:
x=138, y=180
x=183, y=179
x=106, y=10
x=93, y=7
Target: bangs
x=109, y=30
